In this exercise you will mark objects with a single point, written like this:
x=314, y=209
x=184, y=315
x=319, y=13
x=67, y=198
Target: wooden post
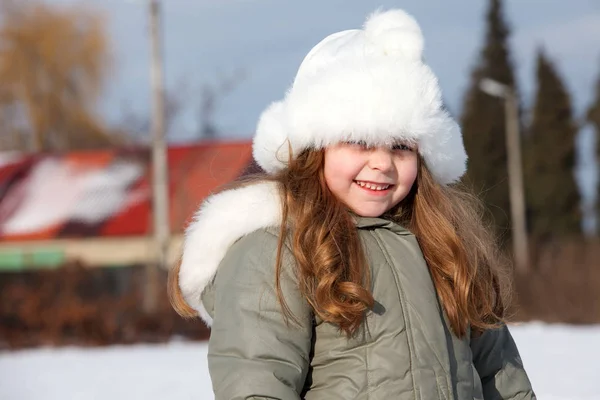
x=160, y=200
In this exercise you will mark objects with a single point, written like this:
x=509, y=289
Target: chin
x=369, y=213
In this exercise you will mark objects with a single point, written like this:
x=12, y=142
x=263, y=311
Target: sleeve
x=253, y=352
x=498, y=363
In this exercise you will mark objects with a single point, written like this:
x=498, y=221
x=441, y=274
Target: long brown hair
x=332, y=270
x=468, y=270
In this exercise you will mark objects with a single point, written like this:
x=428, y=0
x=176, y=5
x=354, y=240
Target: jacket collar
x=372, y=223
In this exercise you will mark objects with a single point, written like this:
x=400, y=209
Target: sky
x=260, y=43
x=206, y=42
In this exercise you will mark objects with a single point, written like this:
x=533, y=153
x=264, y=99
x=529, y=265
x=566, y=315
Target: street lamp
x=515, y=169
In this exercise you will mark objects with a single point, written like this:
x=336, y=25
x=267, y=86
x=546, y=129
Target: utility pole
x=160, y=201
x=515, y=170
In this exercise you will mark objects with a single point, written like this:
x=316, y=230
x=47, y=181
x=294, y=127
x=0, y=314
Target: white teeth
x=372, y=186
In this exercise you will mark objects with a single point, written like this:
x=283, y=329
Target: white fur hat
x=364, y=85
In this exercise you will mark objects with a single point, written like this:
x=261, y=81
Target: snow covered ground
x=562, y=362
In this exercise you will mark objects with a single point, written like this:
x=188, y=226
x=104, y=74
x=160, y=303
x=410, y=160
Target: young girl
x=352, y=269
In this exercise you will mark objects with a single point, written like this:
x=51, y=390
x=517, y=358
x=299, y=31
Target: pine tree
x=593, y=117
x=483, y=122
x=553, y=198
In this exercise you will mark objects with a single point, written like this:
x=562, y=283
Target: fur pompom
x=396, y=32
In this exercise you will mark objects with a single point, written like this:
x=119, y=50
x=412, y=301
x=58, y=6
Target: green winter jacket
x=404, y=351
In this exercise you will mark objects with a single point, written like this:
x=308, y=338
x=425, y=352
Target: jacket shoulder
x=250, y=266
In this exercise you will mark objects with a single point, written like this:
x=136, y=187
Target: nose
x=381, y=159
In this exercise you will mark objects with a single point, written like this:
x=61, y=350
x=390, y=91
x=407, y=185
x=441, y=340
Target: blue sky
x=267, y=39
x=208, y=41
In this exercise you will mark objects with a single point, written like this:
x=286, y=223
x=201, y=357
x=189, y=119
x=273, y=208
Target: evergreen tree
x=593, y=117
x=483, y=122
x=553, y=198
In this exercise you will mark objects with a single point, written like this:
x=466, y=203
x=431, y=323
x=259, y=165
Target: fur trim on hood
x=221, y=220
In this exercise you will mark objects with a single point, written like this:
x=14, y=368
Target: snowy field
x=562, y=362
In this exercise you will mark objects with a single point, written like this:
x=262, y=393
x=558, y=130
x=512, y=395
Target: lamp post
x=515, y=169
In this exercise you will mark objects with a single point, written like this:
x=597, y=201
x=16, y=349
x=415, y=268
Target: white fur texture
x=369, y=85
x=221, y=220
x=396, y=32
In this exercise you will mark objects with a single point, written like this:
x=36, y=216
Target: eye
x=402, y=147
x=359, y=143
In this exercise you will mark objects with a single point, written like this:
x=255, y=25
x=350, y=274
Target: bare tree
x=54, y=62
x=210, y=96
x=136, y=126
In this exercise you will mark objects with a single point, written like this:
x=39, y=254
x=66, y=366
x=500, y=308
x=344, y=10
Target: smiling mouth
x=378, y=187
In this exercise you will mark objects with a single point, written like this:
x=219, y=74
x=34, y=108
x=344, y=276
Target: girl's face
x=370, y=180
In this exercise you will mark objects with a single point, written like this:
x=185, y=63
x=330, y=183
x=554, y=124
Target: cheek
x=412, y=176
x=336, y=179
x=331, y=174
x=408, y=172
x=338, y=171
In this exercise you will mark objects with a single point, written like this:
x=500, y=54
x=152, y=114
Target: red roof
x=108, y=193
